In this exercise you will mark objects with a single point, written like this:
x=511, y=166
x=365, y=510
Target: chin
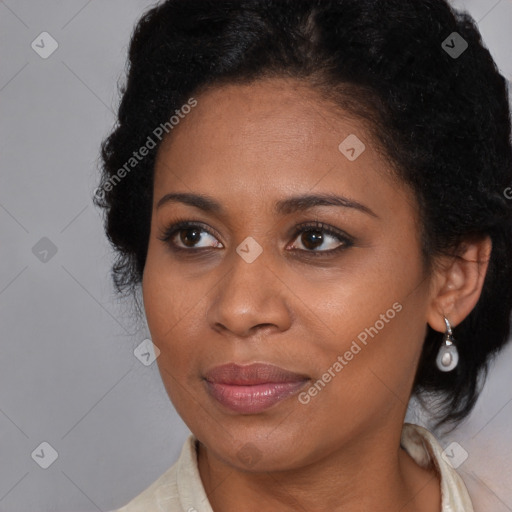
x=254, y=450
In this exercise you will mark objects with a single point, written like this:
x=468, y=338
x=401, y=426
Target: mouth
x=253, y=388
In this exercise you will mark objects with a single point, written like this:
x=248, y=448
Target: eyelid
x=345, y=239
x=181, y=224
x=322, y=226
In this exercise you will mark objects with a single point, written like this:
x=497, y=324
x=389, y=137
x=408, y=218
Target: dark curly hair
x=442, y=120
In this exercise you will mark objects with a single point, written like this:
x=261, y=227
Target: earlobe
x=459, y=282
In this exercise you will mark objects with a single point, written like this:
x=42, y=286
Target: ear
x=458, y=282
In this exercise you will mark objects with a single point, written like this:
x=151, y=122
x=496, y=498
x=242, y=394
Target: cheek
x=163, y=300
x=166, y=296
x=175, y=312
x=371, y=316
x=364, y=295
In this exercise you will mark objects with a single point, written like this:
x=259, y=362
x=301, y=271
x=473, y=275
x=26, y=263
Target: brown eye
x=189, y=237
x=185, y=235
x=319, y=239
x=312, y=239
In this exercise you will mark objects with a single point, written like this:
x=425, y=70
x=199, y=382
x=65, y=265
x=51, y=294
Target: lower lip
x=252, y=399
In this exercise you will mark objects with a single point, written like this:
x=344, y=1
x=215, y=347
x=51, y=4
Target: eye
x=186, y=235
x=315, y=235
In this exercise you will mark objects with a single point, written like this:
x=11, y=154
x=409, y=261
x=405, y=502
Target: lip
x=250, y=389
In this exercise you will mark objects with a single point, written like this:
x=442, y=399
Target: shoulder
x=426, y=450
x=165, y=493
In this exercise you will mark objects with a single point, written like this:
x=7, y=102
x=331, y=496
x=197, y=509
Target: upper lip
x=251, y=374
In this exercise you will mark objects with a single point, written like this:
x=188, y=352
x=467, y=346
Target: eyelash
x=178, y=226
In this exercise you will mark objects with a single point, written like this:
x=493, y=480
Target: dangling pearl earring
x=448, y=355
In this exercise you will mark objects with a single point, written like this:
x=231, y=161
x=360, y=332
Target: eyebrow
x=282, y=207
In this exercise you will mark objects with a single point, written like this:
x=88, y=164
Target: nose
x=249, y=298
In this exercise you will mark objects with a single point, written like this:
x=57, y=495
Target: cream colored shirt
x=180, y=488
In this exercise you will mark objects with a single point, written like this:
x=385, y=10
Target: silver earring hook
x=448, y=326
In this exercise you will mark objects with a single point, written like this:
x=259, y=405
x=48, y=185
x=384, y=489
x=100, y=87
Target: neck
x=372, y=473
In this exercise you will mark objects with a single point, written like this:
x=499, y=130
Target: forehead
x=268, y=139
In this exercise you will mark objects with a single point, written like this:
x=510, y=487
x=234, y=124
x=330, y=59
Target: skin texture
x=249, y=146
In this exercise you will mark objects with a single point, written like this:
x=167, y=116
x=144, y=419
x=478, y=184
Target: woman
x=311, y=195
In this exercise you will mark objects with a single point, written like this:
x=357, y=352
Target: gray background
x=68, y=374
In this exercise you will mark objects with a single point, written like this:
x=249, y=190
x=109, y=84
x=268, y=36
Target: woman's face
x=343, y=306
